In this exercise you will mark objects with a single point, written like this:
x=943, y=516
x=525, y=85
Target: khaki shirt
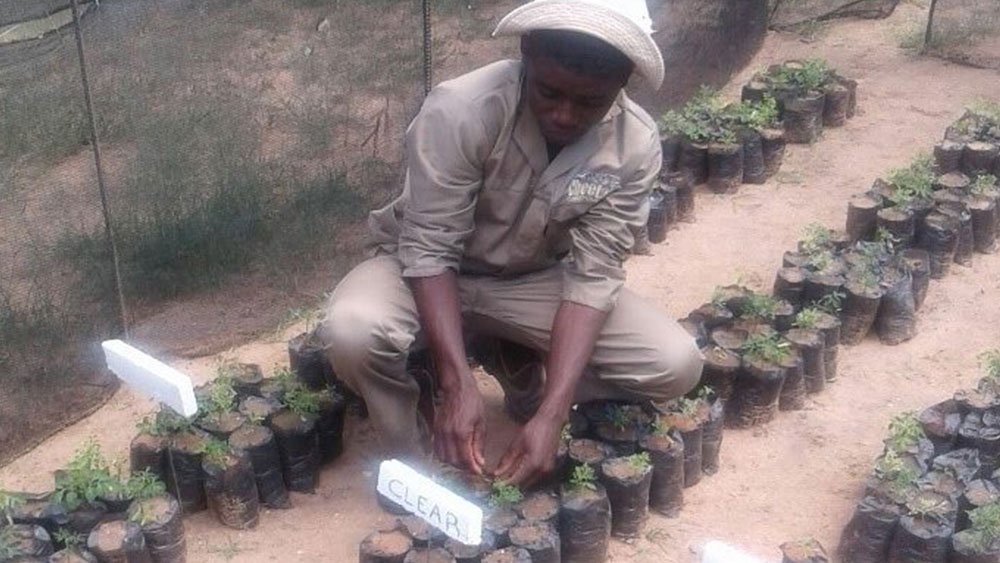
x=481, y=197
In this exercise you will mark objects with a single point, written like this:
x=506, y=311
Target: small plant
x=892, y=470
x=817, y=238
x=927, y=506
x=150, y=424
x=807, y=318
x=301, y=401
x=831, y=303
x=168, y=421
x=990, y=363
x=639, y=461
x=68, y=538
x=566, y=434
x=215, y=451
x=914, y=182
x=88, y=477
x=10, y=502
x=755, y=115
x=143, y=485
x=820, y=261
x=984, y=184
x=766, y=348
x=583, y=477
x=759, y=306
x=807, y=76
x=660, y=427
x=221, y=396
x=905, y=432
x=504, y=495
x=685, y=406
x=985, y=520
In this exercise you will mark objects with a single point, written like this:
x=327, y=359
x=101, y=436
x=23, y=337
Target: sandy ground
x=797, y=476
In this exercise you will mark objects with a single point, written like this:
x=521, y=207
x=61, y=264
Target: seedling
x=150, y=425
x=504, y=495
x=9, y=502
x=566, y=435
x=660, y=427
x=900, y=477
x=990, y=362
x=984, y=184
x=905, y=432
x=88, y=476
x=809, y=75
x=143, y=485
x=68, y=538
x=820, y=260
x=914, y=182
x=301, y=401
x=807, y=318
x=987, y=109
x=985, y=520
x=169, y=422
x=927, y=506
x=7, y=544
x=685, y=406
x=755, y=115
x=831, y=303
x=759, y=306
x=221, y=396
x=639, y=461
x=766, y=348
x=817, y=238
x=583, y=477
x=617, y=416
x=214, y=451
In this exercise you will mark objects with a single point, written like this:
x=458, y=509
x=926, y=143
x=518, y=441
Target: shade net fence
x=242, y=143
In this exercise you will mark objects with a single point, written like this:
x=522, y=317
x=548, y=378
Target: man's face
x=567, y=104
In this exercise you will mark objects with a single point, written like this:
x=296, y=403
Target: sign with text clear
x=151, y=376
x=458, y=518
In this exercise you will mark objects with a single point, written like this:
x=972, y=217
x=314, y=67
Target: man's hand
x=460, y=426
x=532, y=454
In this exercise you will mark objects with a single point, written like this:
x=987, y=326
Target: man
x=524, y=182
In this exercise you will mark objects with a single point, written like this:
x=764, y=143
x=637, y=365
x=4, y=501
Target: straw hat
x=623, y=24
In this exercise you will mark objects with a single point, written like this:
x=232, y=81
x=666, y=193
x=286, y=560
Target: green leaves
x=214, y=451
x=504, y=495
x=639, y=461
x=894, y=471
x=706, y=118
x=301, y=401
x=88, y=477
x=807, y=318
x=985, y=520
x=759, y=306
x=766, y=348
x=905, y=432
x=9, y=502
x=990, y=362
x=984, y=184
x=583, y=477
x=802, y=77
x=914, y=182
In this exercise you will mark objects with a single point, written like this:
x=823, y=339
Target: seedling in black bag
x=68, y=538
x=807, y=318
x=301, y=401
x=984, y=184
x=990, y=362
x=905, y=432
x=583, y=477
x=766, y=348
x=759, y=306
x=504, y=495
x=985, y=522
x=897, y=474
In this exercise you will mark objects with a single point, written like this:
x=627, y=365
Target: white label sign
x=151, y=376
x=458, y=518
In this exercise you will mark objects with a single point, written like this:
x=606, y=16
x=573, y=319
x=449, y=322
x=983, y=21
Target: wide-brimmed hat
x=623, y=24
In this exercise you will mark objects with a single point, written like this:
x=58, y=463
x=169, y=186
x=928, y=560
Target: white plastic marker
x=458, y=518
x=717, y=552
x=151, y=376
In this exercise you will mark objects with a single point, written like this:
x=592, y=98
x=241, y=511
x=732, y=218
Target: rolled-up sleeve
x=446, y=147
x=602, y=237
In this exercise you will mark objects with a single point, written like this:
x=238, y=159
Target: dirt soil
x=799, y=475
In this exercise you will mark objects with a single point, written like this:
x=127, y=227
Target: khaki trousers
x=370, y=326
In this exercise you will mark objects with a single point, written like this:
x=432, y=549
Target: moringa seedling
x=214, y=451
x=990, y=363
x=831, y=303
x=905, y=432
x=891, y=469
x=985, y=520
x=759, y=306
x=504, y=495
x=984, y=184
x=301, y=401
x=143, y=485
x=68, y=537
x=766, y=348
x=817, y=238
x=583, y=477
x=807, y=318
x=639, y=461
x=9, y=502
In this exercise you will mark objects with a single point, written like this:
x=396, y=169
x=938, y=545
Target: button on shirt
x=482, y=198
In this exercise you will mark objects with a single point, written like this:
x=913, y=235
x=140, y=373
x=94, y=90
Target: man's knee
x=674, y=371
x=354, y=334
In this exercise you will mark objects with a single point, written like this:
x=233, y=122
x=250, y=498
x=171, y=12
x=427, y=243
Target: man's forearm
x=441, y=320
x=574, y=333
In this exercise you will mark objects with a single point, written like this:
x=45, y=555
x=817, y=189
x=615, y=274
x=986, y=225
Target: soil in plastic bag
x=803, y=551
x=692, y=161
x=868, y=535
x=713, y=316
x=963, y=463
x=803, y=118
x=862, y=216
x=725, y=168
x=666, y=491
x=628, y=491
x=696, y=328
x=837, y=99
x=498, y=521
x=308, y=361
x=948, y=157
x=185, y=479
x=470, y=553
x=298, y=446
x=941, y=423
x=984, y=223
x=540, y=506
x=28, y=540
x=919, y=262
x=330, y=425
x=147, y=453
x=900, y=223
x=897, y=315
x=977, y=494
x=162, y=526
x=671, y=146
x=773, y=147
x=754, y=169
x=793, y=390
x=247, y=379
x=811, y=346
x=720, y=370
x=429, y=555
x=74, y=555
x=939, y=237
x=690, y=428
x=921, y=540
x=683, y=184
x=966, y=237
x=232, y=491
x=385, y=547
x=261, y=448
x=978, y=158
x=221, y=425
x=789, y=285
x=507, y=555
x=584, y=524
x=539, y=539
x=38, y=510
x=969, y=547
x=259, y=408
x=119, y=541
x=711, y=436
x=755, y=397
x=860, y=308
x=976, y=434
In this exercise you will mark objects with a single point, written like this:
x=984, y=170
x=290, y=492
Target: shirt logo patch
x=591, y=187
